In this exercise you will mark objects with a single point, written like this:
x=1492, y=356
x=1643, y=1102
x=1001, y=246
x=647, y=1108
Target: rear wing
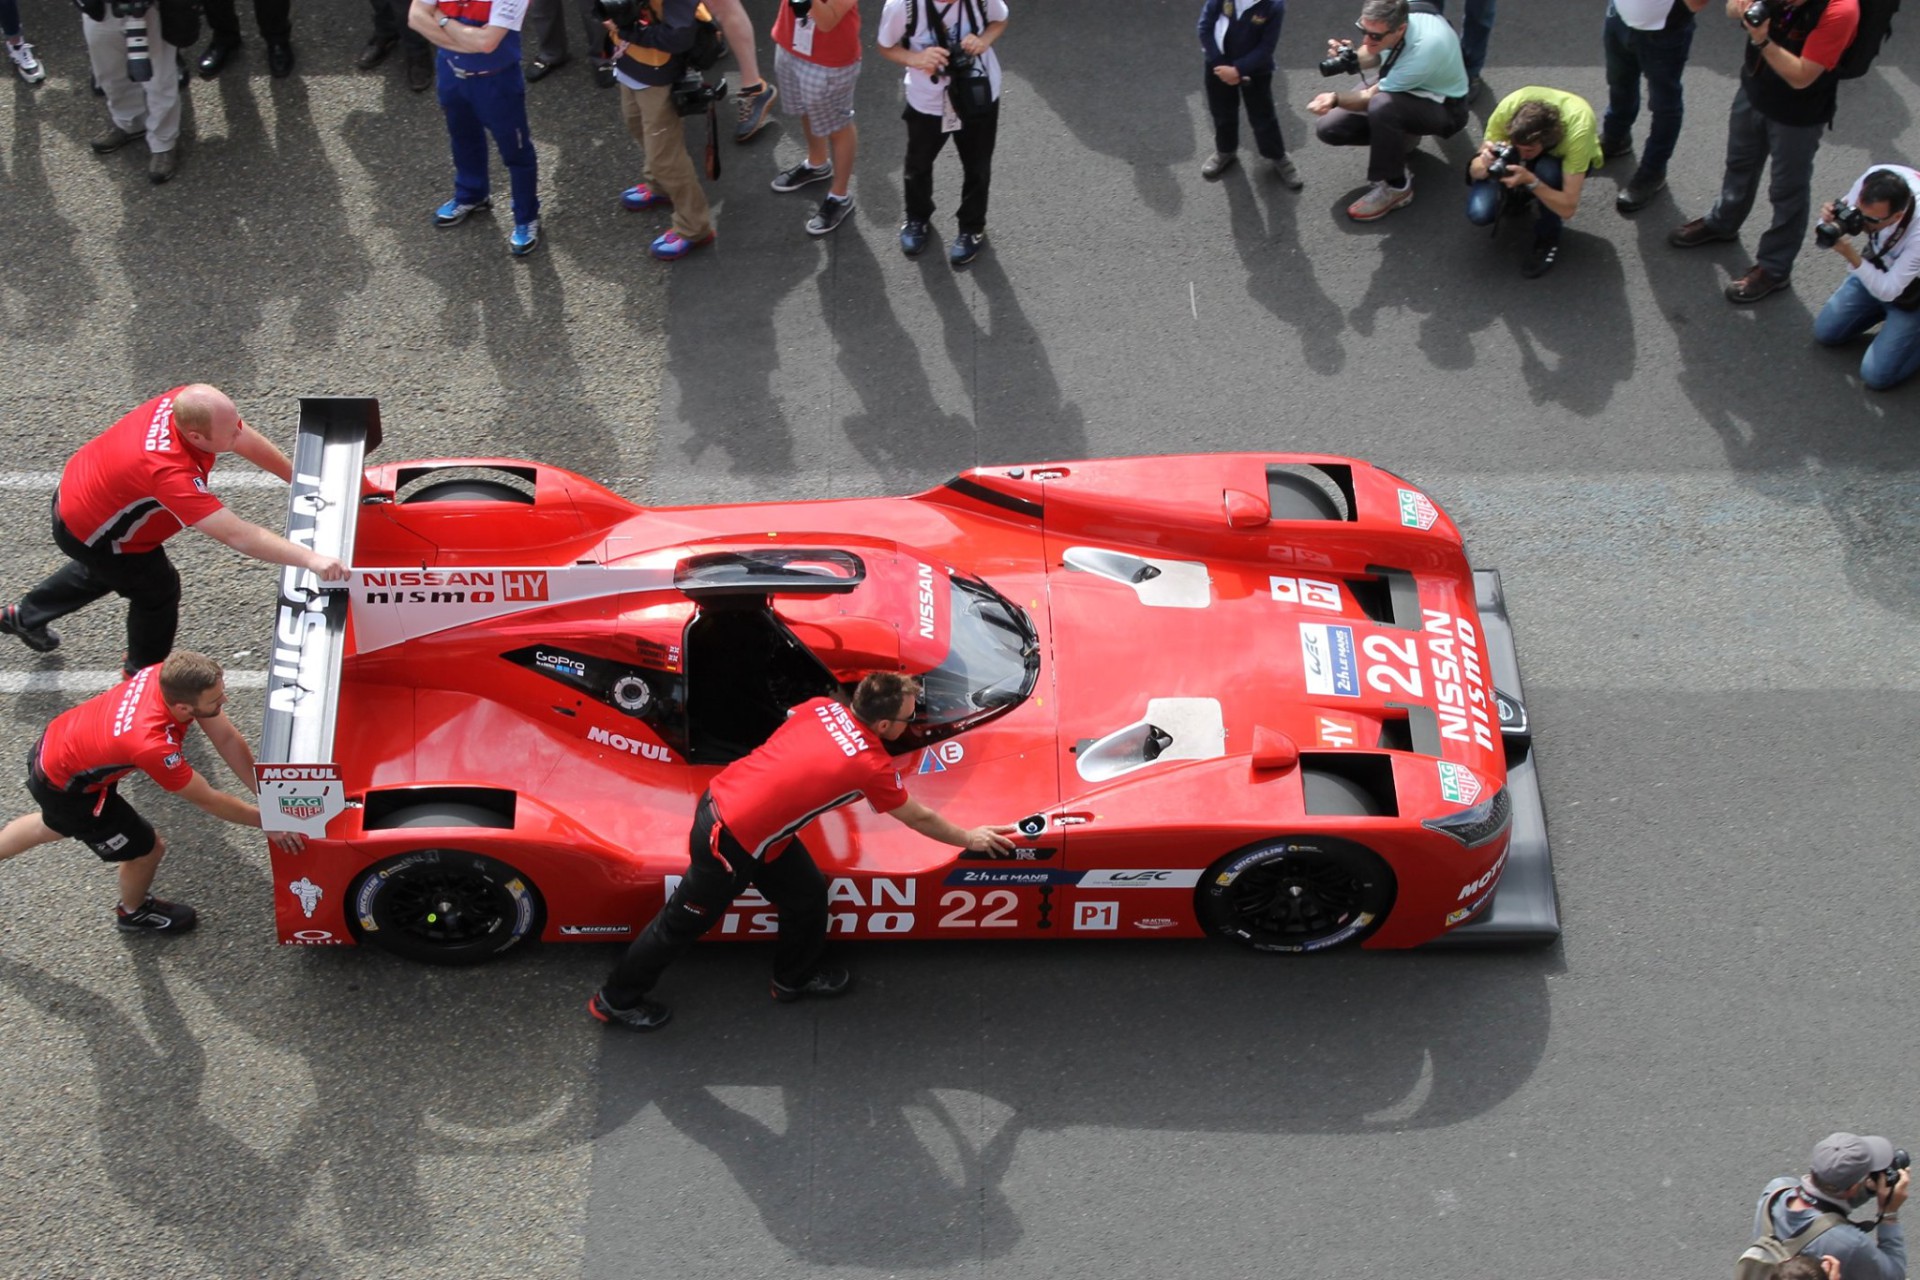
x=299, y=783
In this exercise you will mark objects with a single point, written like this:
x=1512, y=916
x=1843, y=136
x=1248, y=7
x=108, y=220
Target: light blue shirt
x=1429, y=61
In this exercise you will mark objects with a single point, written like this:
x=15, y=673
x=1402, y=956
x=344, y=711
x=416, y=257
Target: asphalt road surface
x=1707, y=531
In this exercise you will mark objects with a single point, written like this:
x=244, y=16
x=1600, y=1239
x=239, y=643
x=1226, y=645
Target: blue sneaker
x=641, y=196
x=913, y=238
x=525, y=238
x=966, y=247
x=672, y=246
x=453, y=213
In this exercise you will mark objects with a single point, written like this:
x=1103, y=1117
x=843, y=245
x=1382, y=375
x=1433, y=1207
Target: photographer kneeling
x=650, y=42
x=1540, y=143
x=1846, y=1171
x=1883, y=280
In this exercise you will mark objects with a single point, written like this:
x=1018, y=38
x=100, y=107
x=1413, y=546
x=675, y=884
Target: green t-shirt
x=1579, y=149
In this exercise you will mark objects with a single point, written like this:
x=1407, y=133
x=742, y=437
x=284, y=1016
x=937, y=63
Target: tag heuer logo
x=303, y=807
x=1458, y=784
x=1415, y=511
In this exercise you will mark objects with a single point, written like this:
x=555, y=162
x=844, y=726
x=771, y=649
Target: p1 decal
x=1327, y=659
x=1416, y=511
x=1096, y=915
x=1311, y=592
x=1457, y=783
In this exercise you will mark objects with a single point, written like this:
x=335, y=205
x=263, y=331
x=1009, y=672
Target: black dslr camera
x=1847, y=220
x=1500, y=163
x=139, y=44
x=1900, y=1158
x=623, y=14
x=801, y=8
x=1757, y=13
x=1344, y=63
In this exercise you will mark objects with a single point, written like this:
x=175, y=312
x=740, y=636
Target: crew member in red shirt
x=125, y=493
x=824, y=756
x=75, y=768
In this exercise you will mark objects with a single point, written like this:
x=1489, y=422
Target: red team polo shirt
x=820, y=759
x=839, y=47
x=107, y=737
x=137, y=483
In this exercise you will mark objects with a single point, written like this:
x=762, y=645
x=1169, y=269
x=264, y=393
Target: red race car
x=1262, y=697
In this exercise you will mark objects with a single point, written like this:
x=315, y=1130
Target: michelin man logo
x=308, y=892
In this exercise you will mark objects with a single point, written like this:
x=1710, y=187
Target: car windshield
x=992, y=662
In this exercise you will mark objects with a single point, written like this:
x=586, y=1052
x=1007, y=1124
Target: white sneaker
x=25, y=63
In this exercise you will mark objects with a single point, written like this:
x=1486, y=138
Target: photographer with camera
x=650, y=43
x=1883, y=275
x=953, y=87
x=1237, y=41
x=1422, y=90
x=1846, y=1172
x=483, y=92
x=1786, y=99
x=816, y=60
x=1540, y=145
x=134, y=48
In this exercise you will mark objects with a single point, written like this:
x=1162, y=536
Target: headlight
x=1479, y=824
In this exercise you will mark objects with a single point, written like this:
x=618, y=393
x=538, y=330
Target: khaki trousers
x=656, y=126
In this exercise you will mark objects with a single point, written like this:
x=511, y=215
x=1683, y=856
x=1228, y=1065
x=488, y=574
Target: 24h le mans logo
x=303, y=807
x=1416, y=512
x=1458, y=784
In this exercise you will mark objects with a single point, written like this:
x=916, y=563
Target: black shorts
x=117, y=833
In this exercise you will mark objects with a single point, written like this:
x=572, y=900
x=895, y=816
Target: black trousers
x=974, y=142
x=390, y=23
x=147, y=580
x=276, y=24
x=1388, y=128
x=1224, y=101
x=790, y=882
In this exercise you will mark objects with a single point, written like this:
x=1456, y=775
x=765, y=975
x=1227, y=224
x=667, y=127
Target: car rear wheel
x=465, y=489
x=1300, y=894
x=445, y=906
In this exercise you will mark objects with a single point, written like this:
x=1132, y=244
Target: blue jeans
x=1483, y=199
x=1893, y=356
x=497, y=105
x=1476, y=28
x=1660, y=57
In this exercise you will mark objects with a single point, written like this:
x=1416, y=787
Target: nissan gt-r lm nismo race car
x=1262, y=697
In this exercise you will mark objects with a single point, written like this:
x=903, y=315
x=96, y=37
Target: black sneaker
x=156, y=916
x=802, y=175
x=648, y=1015
x=38, y=639
x=966, y=247
x=1540, y=258
x=913, y=238
x=823, y=985
x=832, y=212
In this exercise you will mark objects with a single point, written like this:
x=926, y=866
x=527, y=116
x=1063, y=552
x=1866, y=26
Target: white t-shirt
x=923, y=94
x=1898, y=247
x=1643, y=15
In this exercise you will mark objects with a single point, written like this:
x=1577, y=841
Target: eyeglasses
x=1371, y=37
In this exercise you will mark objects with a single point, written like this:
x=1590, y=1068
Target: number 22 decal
x=1404, y=678
x=1000, y=905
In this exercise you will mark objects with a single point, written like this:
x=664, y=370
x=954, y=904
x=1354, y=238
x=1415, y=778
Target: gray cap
x=1842, y=1159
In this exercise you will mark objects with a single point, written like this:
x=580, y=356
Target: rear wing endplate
x=300, y=787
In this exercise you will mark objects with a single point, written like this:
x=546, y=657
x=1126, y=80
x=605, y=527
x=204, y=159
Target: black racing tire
x=1296, y=894
x=468, y=490
x=444, y=906
x=1294, y=497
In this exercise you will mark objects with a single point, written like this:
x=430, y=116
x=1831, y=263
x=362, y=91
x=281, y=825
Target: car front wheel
x=445, y=906
x=1300, y=894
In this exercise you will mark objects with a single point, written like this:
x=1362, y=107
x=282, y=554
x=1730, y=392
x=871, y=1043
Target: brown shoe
x=1692, y=234
x=1755, y=285
x=115, y=138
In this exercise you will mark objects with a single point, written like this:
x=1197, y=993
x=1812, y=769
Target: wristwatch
x=1531, y=185
x=443, y=19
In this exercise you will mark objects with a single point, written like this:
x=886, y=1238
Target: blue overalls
x=485, y=93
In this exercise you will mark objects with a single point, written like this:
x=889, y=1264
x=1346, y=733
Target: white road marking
x=93, y=681
x=237, y=479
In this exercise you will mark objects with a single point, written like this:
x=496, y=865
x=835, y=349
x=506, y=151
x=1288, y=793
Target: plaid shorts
x=824, y=95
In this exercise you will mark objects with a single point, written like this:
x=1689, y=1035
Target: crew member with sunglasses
x=1883, y=277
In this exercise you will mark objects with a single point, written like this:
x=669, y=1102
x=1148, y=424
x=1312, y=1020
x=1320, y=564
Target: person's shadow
x=1280, y=276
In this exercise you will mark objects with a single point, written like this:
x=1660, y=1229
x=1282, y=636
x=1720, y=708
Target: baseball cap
x=1842, y=1159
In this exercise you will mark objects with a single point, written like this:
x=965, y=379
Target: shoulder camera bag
x=970, y=93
